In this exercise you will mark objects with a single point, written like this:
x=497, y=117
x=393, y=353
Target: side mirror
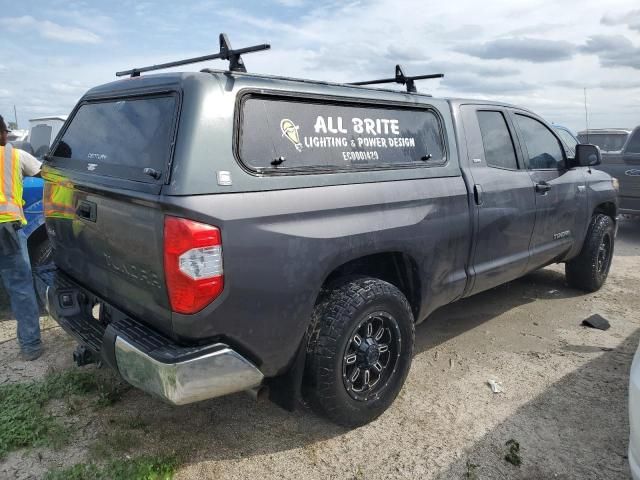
x=587, y=155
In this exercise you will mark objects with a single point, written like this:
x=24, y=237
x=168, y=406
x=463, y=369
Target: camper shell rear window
x=281, y=134
x=130, y=138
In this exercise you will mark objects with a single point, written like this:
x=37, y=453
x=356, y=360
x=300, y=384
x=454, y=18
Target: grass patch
x=113, y=443
x=23, y=419
x=141, y=468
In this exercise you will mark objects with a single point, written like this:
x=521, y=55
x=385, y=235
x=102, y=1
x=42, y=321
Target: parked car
x=621, y=159
x=568, y=139
x=292, y=236
x=634, y=417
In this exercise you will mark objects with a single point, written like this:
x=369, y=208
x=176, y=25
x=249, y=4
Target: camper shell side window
x=278, y=134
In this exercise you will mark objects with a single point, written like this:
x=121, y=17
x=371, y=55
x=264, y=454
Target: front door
x=560, y=194
x=503, y=195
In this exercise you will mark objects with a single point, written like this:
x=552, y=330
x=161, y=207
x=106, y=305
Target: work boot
x=31, y=355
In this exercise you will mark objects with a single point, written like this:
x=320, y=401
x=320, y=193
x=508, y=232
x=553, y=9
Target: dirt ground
x=564, y=400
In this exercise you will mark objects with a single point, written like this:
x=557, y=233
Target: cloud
x=468, y=83
x=75, y=88
x=631, y=19
x=50, y=30
x=537, y=29
x=535, y=50
x=604, y=84
x=291, y=3
x=613, y=51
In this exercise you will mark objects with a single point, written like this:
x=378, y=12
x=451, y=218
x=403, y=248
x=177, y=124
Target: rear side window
x=542, y=146
x=120, y=138
x=496, y=139
x=286, y=134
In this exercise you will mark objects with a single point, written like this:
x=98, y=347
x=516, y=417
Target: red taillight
x=192, y=264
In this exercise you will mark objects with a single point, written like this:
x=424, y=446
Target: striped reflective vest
x=11, y=186
x=58, y=199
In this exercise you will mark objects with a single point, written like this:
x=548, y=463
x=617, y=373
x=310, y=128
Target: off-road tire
x=588, y=271
x=335, y=323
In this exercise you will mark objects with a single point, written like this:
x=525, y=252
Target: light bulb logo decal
x=290, y=130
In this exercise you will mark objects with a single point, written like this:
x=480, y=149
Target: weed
x=110, y=389
x=141, y=468
x=23, y=420
x=513, y=455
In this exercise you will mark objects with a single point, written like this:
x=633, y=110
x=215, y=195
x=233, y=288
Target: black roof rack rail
x=226, y=53
x=402, y=79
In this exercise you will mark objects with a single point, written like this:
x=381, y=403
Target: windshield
x=569, y=140
x=608, y=142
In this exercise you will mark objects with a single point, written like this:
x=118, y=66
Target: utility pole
x=586, y=114
x=15, y=115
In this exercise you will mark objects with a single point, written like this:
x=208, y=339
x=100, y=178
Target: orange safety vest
x=58, y=200
x=11, y=186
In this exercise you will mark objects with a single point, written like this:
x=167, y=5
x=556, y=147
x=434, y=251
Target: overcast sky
x=536, y=53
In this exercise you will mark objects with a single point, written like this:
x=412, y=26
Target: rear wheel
x=359, y=351
x=41, y=253
x=589, y=270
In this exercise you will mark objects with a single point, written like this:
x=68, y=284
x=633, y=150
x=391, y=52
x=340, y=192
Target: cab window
x=496, y=140
x=543, y=148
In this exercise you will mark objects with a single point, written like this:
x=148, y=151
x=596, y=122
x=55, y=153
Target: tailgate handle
x=86, y=210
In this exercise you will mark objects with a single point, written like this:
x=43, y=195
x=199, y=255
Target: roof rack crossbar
x=226, y=53
x=402, y=79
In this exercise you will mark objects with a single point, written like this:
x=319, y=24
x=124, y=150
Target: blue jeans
x=16, y=275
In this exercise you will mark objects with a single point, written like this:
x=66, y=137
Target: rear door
x=560, y=194
x=504, y=198
x=102, y=204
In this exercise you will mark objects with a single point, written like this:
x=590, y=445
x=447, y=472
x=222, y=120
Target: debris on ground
x=496, y=387
x=513, y=455
x=596, y=321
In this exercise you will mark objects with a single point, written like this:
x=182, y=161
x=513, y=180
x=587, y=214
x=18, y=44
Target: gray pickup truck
x=621, y=159
x=219, y=231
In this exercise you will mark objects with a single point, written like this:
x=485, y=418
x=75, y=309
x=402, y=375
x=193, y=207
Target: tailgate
x=102, y=201
x=112, y=246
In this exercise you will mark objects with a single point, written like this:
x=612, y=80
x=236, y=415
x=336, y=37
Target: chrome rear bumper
x=145, y=358
x=211, y=375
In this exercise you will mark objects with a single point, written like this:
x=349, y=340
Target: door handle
x=542, y=187
x=86, y=210
x=477, y=194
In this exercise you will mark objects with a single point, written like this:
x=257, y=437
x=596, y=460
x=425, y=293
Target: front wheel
x=589, y=270
x=359, y=352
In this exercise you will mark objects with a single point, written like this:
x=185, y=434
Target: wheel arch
x=606, y=208
x=398, y=268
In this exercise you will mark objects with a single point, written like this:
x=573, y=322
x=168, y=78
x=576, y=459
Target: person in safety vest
x=15, y=267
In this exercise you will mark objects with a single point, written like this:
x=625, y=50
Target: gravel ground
x=564, y=399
